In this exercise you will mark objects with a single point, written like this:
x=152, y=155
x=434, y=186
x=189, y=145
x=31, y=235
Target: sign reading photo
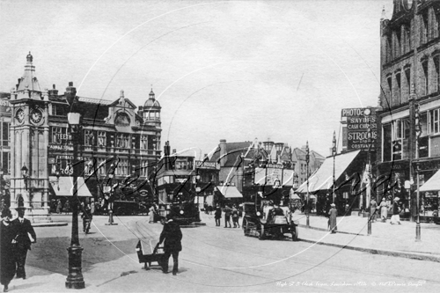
x=361, y=128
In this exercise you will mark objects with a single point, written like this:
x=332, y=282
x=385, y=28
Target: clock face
x=36, y=116
x=20, y=115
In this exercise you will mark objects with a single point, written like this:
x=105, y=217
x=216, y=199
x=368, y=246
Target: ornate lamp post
x=307, y=182
x=75, y=278
x=334, y=154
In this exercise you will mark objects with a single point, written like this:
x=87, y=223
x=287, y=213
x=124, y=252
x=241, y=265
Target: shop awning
x=323, y=178
x=229, y=191
x=64, y=186
x=433, y=184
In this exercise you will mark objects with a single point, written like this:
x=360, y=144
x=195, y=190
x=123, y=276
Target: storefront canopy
x=433, y=184
x=323, y=178
x=64, y=186
x=229, y=191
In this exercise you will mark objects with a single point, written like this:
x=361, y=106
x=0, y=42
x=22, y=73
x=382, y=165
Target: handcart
x=156, y=255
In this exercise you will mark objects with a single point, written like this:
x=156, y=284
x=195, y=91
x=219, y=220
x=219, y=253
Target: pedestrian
x=87, y=217
x=151, y=214
x=227, y=211
x=59, y=206
x=92, y=206
x=24, y=236
x=6, y=249
x=396, y=212
x=383, y=210
x=332, y=218
x=172, y=235
x=373, y=208
x=235, y=217
x=217, y=215
x=67, y=207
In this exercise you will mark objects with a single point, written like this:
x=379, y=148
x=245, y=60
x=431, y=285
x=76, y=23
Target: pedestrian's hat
x=396, y=198
x=20, y=208
x=332, y=205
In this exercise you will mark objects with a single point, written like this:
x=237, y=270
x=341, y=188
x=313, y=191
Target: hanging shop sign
x=361, y=128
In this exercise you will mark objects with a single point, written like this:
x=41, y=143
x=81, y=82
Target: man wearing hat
x=396, y=211
x=172, y=235
x=24, y=236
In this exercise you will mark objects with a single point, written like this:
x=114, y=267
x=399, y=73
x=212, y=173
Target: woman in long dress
x=6, y=250
x=333, y=213
x=383, y=210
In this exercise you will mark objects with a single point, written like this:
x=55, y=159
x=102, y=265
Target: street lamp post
x=418, y=130
x=307, y=182
x=75, y=278
x=334, y=155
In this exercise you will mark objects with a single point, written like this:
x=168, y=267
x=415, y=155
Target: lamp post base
x=75, y=278
x=369, y=227
x=418, y=232
x=308, y=221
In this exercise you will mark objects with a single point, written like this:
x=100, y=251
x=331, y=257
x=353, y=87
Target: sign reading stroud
x=359, y=122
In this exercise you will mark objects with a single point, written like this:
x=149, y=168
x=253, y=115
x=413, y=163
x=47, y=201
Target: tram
x=175, y=181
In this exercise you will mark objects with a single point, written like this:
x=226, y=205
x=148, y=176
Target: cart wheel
x=262, y=235
x=294, y=233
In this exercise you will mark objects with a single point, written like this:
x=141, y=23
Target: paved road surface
x=215, y=259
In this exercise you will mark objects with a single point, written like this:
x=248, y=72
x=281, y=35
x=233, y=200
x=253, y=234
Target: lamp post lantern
x=334, y=155
x=307, y=182
x=75, y=278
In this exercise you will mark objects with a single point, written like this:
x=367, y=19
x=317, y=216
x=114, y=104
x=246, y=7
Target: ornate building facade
x=115, y=141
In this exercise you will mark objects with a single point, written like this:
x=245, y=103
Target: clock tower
x=29, y=140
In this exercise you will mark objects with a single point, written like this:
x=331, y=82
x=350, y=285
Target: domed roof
x=151, y=102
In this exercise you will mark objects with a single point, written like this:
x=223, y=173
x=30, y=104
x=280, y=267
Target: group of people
x=229, y=213
x=383, y=208
x=16, y=237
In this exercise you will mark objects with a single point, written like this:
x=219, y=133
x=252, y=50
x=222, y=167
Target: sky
x=234, y=70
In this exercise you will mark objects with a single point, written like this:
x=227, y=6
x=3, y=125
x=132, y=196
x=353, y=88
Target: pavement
x=385, y=239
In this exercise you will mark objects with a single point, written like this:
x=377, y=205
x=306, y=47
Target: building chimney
x=53, y=92
x=71, y=98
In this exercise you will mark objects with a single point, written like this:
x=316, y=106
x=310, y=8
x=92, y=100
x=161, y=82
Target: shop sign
x=206, y=165
x=359, y=123
x=60, y=147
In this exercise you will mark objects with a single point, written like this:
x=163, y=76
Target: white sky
x=220, y=69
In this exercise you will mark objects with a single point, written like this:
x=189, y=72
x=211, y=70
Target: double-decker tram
x=175, y=182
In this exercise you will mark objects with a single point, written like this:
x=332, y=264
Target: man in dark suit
x=24, y=236
x=172, y=235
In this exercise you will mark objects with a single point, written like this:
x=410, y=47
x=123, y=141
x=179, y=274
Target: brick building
x=410, y=83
